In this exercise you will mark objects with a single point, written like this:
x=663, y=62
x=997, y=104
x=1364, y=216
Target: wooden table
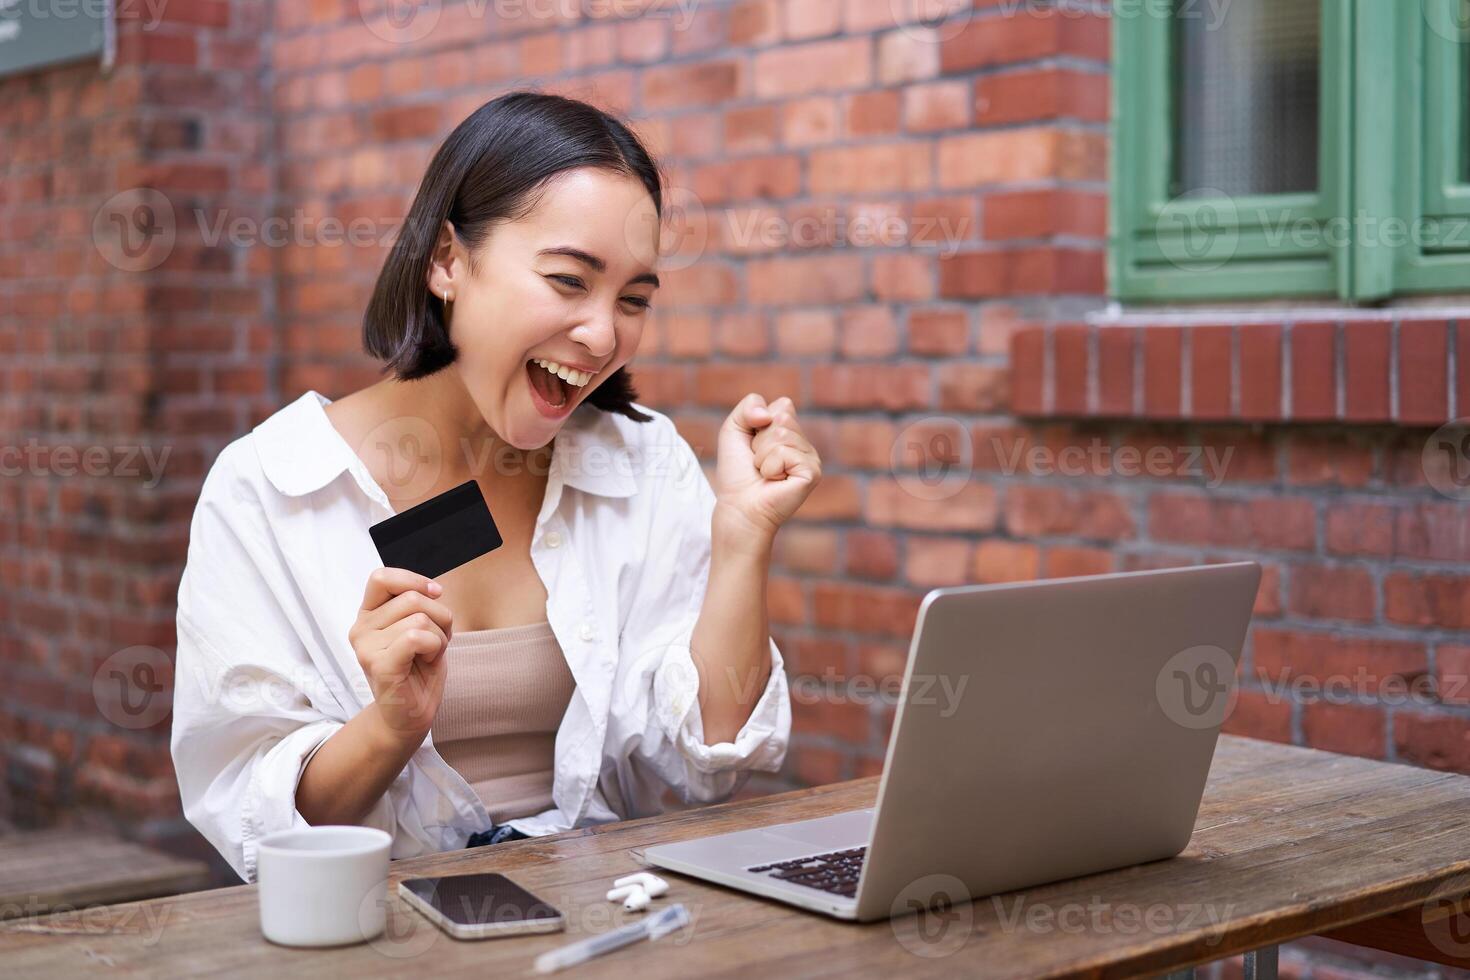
x=62, y=870
x=1289, y=842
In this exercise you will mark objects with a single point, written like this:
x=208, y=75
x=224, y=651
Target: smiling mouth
x=555, y=390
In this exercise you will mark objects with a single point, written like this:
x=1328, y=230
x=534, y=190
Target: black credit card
x=441, y=533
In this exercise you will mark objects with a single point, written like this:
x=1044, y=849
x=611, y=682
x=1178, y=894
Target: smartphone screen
x=480, y=899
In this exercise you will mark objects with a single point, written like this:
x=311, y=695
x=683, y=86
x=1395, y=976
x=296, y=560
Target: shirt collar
x=301, y=452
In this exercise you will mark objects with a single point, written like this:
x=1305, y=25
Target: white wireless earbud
x=635, y=891
x=651, y=883
x=633, y=897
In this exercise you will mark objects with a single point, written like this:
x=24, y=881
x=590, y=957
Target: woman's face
x=569, y=284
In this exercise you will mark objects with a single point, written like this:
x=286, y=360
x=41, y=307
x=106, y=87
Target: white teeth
x=570, y=375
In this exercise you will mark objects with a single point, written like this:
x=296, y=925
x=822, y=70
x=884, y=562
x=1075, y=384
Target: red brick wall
x=121, y=376
x=1340, y=486
x=918, y=194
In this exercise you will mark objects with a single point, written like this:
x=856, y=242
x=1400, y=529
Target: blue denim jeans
x=495, y=835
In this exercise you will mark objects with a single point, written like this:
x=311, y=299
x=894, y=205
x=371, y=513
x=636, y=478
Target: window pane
x=1464, y=51
x=1246, y=96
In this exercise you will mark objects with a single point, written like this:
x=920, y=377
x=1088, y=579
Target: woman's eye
x=638, y=302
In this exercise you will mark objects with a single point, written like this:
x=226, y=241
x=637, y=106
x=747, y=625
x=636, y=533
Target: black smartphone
x=480, y=906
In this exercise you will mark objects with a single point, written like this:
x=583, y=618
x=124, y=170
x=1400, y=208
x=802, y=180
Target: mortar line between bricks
x=1093, y=392
x=1236, y=368
x=1286, y=386
x=1186, y=373
x=1451, y=367
x=1393, y=369
x=1138, y=379
x=1339, y=366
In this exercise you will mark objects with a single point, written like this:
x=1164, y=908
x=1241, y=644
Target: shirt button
x=586, y=631
x=553, y=539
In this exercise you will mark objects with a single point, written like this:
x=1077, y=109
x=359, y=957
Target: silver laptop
x=1045, y=730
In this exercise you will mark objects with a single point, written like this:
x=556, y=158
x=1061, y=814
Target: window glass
x=1247, y=87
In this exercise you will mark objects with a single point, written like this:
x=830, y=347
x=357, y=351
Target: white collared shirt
x=279, y=554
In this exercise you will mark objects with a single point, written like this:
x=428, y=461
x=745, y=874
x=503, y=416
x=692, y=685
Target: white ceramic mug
x=323, y=886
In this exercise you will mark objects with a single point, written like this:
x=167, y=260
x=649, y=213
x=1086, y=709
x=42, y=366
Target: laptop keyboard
x=836, y=872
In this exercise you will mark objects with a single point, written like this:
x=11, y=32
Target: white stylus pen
x=661, y=923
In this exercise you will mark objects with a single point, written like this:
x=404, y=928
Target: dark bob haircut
x=492, y=168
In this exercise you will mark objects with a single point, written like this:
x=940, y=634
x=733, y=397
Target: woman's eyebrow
x=595, y=263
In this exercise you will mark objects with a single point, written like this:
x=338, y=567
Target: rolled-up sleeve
x=761, y=741
x=242, y=735
x=250, y=706
x=659, y=676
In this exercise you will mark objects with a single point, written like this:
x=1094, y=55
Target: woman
x=612, y=658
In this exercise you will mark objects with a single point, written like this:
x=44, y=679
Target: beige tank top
x=504, y=699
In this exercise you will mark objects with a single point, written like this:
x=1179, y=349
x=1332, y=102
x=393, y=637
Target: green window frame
x=1434, y=145
x=1391, y=212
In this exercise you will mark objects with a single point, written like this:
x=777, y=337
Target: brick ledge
x=1400, y=370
